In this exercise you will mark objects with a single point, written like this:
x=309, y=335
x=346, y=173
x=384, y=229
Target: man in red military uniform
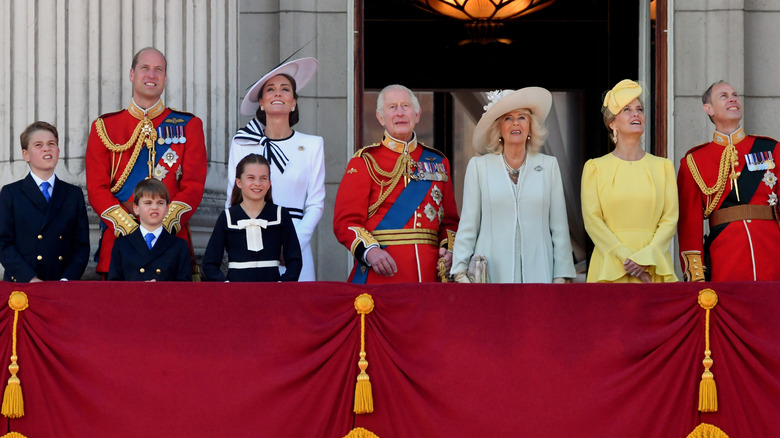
x=146, y=140
x=395, y=209
x=731, y=182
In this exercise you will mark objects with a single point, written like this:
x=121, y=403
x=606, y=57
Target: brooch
x=436, y=194
x=160, y=172
x=170, y=157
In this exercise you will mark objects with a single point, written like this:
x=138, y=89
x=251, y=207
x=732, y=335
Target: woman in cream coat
x=514, y=211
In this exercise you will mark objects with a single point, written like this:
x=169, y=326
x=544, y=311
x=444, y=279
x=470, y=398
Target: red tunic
x=744, y=249
x=183, y=171
x=358, y=190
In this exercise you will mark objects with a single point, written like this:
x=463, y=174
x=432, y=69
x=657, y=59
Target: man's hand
x=447, y=255
x=382, y=263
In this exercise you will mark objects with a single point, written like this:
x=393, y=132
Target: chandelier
x=484, y=17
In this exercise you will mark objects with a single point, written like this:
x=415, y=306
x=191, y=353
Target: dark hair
x=294, y=114
x=37, y=126
x=236, y=197
x=152, y=188
x=145, y=49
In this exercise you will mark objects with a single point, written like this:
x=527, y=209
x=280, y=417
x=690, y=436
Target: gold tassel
x=708, y=391
x=13, y=435
x=364, y=399
x=359, y=432
x=13, y=403
x=705, y=430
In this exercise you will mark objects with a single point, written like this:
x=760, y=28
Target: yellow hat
x=621, y=95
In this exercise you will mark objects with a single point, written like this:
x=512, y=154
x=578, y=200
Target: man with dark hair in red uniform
x=731, y=182
x=146, y=140
x=395, y=208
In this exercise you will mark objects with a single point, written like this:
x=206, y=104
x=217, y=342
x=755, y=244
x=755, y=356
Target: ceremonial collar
x=139, y=113
x=732, y=139
x=399, y=146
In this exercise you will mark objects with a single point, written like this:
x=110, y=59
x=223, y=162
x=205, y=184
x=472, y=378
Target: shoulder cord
x=395, y=175
x=727, y=161
x=136, y=140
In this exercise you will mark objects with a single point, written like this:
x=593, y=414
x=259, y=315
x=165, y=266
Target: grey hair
x=380, y=100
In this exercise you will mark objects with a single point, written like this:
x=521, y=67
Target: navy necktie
x=149, y=237
x=45, y=190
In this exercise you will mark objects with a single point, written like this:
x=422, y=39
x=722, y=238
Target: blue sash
x=403, y=208
x=140, y=170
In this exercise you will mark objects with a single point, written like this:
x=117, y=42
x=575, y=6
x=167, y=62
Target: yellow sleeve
x=609, y=253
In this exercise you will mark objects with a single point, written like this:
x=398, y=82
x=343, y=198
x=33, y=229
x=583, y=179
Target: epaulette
x=182, y=112
x=765, y=137
x=359, y=153
x=103, y=116
x=432, y=149
x=696, y=148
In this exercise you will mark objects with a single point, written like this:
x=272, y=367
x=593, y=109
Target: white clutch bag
x=477, y=271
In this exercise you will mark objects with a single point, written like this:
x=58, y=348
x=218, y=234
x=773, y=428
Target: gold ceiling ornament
x=364, y=399
x=484, y=17
x=708, y=392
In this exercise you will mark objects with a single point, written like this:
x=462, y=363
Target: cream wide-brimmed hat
x=536, y=99
x=302, y=70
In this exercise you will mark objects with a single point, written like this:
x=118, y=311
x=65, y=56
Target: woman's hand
x=634, y=269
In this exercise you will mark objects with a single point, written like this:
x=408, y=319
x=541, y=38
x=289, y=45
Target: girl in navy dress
x=255, y=232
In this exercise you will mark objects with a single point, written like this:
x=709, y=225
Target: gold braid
x=399, y=170
x=724, y=170
x=136, y=140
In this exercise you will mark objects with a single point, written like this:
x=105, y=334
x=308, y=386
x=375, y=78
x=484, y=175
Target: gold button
x=40, y=257
x=419, y=214
x=158, y=271
x=60, y=237
x=142, y=270
x=59, y=258
x=40, y=237
x=419, y=224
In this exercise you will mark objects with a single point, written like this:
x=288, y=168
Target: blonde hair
x=539, y=134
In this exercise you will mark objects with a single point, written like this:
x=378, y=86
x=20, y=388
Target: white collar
x=39, y=181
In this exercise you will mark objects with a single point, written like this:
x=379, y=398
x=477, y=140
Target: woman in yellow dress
x=629, y=199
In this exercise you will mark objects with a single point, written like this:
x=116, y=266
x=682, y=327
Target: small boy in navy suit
x=150, y=253
x=44, y=231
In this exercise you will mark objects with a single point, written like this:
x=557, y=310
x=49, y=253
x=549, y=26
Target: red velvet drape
x=102, y=359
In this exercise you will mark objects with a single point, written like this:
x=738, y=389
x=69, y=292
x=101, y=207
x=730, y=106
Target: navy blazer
x=168, y=260
x=49, y=240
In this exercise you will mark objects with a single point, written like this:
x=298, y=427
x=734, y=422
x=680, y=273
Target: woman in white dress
x=513, y=209
x=297, y=159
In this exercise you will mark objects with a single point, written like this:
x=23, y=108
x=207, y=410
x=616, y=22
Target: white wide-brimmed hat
x=302, y=70
x=536, y=99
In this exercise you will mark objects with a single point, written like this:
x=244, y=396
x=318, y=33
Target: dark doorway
x=577, y=49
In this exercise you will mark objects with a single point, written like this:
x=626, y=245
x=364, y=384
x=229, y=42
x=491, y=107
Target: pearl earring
x=293, y=108
x=261, y=108
x=614, y=136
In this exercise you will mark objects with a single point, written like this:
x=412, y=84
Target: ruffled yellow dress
x=630, y=211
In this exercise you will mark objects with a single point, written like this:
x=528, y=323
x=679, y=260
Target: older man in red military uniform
x=146, y=140
x=395, y=209
x=731, y=182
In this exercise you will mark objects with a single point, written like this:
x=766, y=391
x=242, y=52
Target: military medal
x=769, y=179
x=175, y=139
x=760, y=161
x=772, y=199
x=160, y=137
x=168, y=139
x=170, y=157
x=182, y=138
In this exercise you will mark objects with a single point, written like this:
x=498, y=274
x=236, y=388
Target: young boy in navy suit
x=150, y=253
x=44, y=231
